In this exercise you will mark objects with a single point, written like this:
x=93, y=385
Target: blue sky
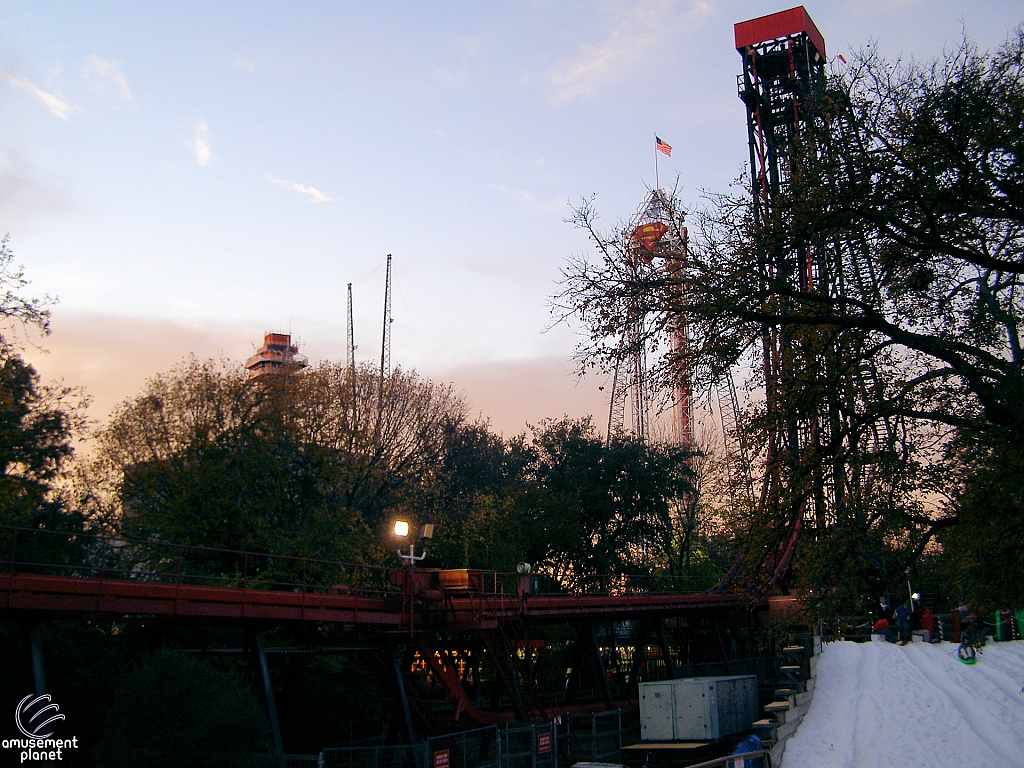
x=185, y=176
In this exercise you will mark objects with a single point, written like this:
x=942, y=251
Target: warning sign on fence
x=543, y=744
x=442, y=758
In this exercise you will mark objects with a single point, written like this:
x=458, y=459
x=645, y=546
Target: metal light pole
x=402, y=531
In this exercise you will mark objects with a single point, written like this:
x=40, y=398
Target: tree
x=35, y=443
x=983, y=554
x=905, y=194
x=36, y=421
x=388, y=447
x=928, y=182
x=599, y=509
x=475, y=495
x=19, y=312
x=294, y=464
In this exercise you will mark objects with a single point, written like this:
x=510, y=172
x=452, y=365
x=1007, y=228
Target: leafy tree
x=603, y=510
x=20, y=313
x=928, y=183
x=297, y=465
x=473, y=495
x=388, y=445
x=562, y=500
x=35, y=442
x=36, y=421
x=983, y=553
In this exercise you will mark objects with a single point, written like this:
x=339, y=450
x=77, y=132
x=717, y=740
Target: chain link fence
x=520, y=746
x=479, y=748
x=531, y=746
x=399, y=756
x=598, y=737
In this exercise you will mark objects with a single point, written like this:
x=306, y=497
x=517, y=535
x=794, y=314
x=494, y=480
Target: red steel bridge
x=459, y=627
x=365, y=599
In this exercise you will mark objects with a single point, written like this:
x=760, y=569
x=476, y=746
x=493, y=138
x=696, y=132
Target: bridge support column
x=721, y=646
x=639, y=643
x=602, y=673
x=403, y=700
x=573, y=683
x=670, y=665
x=35, y=650
x=35, y=644
x=260, y=654
x=403, y=703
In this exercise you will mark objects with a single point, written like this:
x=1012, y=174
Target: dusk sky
x=187, y=176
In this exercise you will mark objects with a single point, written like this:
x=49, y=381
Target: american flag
x=661, y=146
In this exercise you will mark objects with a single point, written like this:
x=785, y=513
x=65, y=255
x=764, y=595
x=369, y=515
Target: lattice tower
x=783, y=78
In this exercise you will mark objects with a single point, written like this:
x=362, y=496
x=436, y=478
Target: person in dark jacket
x=902, y=616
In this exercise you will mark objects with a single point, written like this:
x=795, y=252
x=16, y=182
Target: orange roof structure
x=277, y=355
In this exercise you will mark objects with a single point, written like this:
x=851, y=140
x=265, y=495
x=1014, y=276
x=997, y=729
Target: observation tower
x=277, y=355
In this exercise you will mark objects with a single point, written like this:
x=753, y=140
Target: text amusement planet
x=34, y=717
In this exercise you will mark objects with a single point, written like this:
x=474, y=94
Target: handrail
x=138, y=565
x=188, y=547
x=733, y=760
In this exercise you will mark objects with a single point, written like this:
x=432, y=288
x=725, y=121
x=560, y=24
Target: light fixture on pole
x=402, y=531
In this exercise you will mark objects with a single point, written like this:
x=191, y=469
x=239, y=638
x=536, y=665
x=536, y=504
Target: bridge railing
x=494, y=582
x=58, y=553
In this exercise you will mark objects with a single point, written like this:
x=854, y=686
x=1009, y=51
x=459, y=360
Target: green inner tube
x=966, y=654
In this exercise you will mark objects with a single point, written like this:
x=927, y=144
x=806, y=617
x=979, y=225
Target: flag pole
x=657, y=185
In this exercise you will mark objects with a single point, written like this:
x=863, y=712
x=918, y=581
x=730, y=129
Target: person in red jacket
x=881, y=627
x=928, y=622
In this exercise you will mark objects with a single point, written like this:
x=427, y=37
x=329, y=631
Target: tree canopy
x=300, y=465
x=306, y=466
x=37, y=422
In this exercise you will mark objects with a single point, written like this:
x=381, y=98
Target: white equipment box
x=697, y=708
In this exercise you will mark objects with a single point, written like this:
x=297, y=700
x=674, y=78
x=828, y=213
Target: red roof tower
x=277, y=355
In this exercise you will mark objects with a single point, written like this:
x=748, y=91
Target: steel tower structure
x=350, y=338
x=813, y=459
x=655, y=232
x=784, y=61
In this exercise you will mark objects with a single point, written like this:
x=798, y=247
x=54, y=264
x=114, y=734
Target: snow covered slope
x=877, y=704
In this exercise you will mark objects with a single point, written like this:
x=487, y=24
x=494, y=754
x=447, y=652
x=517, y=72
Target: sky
x=184, y=177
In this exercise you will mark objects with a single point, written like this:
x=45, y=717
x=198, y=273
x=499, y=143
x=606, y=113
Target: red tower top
x=277, y=354
x=778, y=25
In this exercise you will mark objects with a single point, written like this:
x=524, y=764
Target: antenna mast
x=350, y=339
x=385, y=345
x=350, y=359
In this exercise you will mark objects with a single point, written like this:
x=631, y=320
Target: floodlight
x=401, y=528
x=916, y=596
x=523, y=568
x=427, y=531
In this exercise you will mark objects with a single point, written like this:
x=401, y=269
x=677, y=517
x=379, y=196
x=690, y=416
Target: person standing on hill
x=902, y=616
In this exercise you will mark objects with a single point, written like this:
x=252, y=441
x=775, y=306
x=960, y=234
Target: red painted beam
x=67, y=594
x=557, y=607
x=120, y=597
